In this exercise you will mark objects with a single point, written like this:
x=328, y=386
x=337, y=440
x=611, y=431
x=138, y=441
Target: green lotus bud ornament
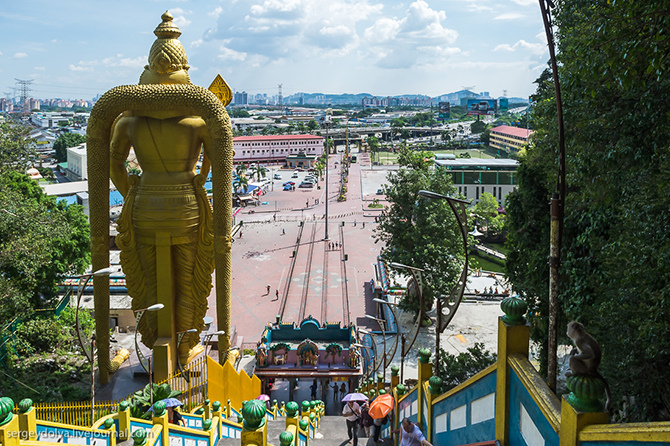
x=514, y=309
x=435, y=385
x=159, y=408
x=286, y=438
x=305, y=406
x=424, y=355
x=216, y=406
x=253, y=413
x=586, y=393
x=123, y=406
x=395, y=370
x=382, y=392
x=206, y=425
x=292, y=409
x=6, y=407
x=109, y=422
x=380, y=378
x=274, y=402
x=25, y=405
x=139, y=437
x=303, y=424
x=401, y=389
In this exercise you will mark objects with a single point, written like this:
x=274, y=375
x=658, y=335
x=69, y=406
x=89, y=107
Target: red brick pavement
x=263, y=257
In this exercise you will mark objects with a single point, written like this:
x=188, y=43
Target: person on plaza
x=307, y=203
x=276, y=294
x=411, y=434
x=377, y=423
x=313, y=388
x=354, y=222
x=352, y=412
x=268, y=287
x=366, y=419
x=283, y=231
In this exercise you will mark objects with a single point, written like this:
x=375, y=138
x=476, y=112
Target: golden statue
x=167, y=235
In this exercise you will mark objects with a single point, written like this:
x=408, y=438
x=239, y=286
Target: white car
x=277, y=176
x=295, y=175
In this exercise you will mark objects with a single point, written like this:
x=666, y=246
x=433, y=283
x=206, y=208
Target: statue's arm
x=119, y=150
x=206, y=143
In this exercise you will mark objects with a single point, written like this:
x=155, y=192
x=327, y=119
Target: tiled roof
x=512, y=131
x=274, y=138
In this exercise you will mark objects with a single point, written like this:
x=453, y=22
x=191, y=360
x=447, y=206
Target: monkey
x=585, y=357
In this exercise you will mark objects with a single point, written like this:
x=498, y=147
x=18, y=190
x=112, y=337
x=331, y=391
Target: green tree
x=478, y=127
x=41, y=241
x=240, y=184
x=312, y=125
x=486, y=210
x=456, y=369
x=17, y=149
x=421, y=232
x=614, y=71
x=258, y=172
x=373, y=144
x=65, y=141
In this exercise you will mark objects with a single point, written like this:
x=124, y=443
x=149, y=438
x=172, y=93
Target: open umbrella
x=381, y=406
x=354, y=397
x=169, y=402
x=263, y=397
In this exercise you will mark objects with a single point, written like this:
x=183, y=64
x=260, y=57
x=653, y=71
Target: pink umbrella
x=263, y=397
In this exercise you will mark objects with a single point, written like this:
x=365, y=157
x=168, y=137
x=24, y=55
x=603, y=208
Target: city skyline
x=77, y=50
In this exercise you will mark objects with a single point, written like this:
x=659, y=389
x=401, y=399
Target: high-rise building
x=241, y=98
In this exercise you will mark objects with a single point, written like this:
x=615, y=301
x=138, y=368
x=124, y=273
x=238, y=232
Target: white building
x=76, y=163
x=275, y=148
x=474, y=176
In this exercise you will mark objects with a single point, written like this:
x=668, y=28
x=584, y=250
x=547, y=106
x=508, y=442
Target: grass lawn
x=488, y=265
x=500, y=247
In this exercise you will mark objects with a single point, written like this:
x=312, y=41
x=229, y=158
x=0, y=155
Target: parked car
x=310, y=178
x=289, y=183
x=295, y=175
x=380, y=192
x=289, y=187
x=306, y=184
x=277, y=176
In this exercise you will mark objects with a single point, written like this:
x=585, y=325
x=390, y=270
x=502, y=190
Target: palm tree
x=240, y=169
x=319, y=167
x=258, y=172
x=240, y=184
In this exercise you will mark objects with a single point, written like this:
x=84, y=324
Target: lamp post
x=208, y=338
x=381, y=325
x=90, y=356
x=458, y=207
x=180, y=336
x=374, y=351
x=140, y=356
x=416, y=277
x=390, y=353
x=326, y=122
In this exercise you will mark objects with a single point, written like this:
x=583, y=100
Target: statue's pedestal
x=165, y=359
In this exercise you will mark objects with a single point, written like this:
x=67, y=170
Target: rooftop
x=478, y=162
x=512, y=131
x=274, y=138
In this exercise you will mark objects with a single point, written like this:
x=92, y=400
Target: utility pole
x=24, y=86
x=326, y=122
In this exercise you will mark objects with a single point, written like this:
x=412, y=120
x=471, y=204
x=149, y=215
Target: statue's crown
x=167, y=54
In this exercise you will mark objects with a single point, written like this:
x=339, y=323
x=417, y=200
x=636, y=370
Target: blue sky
x=77, y=49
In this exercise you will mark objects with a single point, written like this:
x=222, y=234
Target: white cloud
x=0, y=53
x=39, y=68
x=534, y=48
x=510, y=16
x=413, y=39
x=216, y=13
x=525, y=2
x=80, y=68
x=20, y=55
x=179, y=19
x=228, y=54
x=196, y=43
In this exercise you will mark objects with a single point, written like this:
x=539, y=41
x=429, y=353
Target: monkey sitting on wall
x=585, y=357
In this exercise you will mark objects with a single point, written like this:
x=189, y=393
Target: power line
x=24, y=86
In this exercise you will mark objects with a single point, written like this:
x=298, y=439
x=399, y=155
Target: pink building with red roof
x=275, y=148
x=508, y=138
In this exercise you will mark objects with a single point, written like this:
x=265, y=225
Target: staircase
x=332, y=431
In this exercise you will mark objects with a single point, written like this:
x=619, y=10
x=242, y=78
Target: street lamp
x=381, y=323
x=208, y=338
x=458, y=207
x=326, y=122
x=180, y=336
x=390, y=354
x=405, y=347
x=140, y=356
x=89, y=355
